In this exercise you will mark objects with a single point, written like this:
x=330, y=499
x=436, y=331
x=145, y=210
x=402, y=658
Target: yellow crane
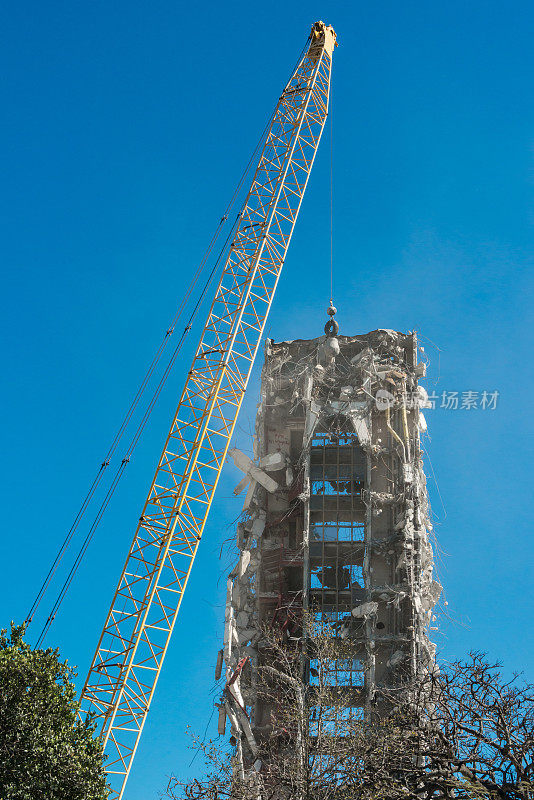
x=138, y=627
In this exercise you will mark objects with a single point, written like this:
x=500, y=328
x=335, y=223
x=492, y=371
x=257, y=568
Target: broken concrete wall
x=335, y=519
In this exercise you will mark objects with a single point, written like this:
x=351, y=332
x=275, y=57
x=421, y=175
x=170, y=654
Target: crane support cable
x=143, y=385
x=129, y=451
x=133, y=643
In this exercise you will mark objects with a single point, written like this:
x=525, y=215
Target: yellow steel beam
x=133, y=643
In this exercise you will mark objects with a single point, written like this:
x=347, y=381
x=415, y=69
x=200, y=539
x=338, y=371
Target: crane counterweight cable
x=129, y=452
x=148, y=374
x=144, y=383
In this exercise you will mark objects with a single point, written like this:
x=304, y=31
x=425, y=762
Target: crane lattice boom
x=131, y=649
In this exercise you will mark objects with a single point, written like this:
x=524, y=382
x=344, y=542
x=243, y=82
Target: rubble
x=336, y=518
x=365, y=610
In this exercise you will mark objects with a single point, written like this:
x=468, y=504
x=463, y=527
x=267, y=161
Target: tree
x=46, y=752
x=464, y=733
x=474, y=732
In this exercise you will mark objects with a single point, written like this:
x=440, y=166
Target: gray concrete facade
x=335, y=521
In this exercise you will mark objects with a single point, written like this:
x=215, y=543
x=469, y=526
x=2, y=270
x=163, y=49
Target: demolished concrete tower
x=335, y=520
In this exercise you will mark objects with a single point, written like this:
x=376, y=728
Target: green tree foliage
x=46, y=752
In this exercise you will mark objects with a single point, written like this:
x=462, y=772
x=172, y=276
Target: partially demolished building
x=335, y=520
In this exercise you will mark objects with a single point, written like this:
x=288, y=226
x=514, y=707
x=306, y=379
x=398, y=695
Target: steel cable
x=131, y=447
x=137, y=398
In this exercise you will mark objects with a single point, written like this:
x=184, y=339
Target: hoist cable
x=331, y=198
x=131, y=447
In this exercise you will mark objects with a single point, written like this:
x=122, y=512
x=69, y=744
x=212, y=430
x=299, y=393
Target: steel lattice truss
x=130, y=653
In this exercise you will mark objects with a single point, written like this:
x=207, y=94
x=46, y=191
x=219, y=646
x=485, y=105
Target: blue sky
x=126, y=128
